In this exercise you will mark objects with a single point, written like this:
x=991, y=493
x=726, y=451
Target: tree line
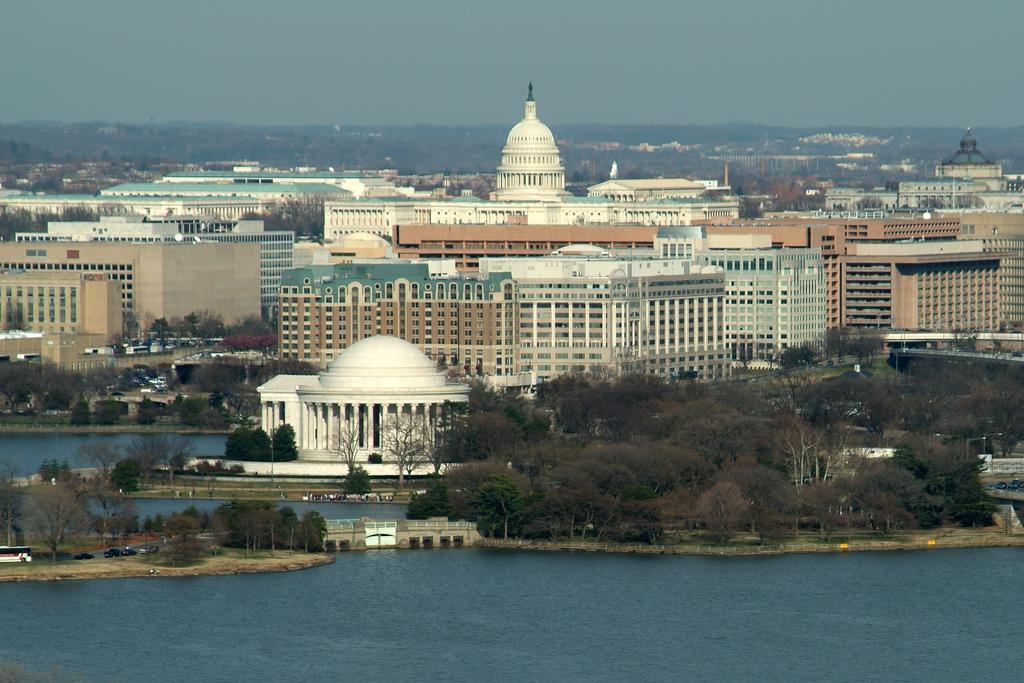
x=643, y=460
x=69, y=505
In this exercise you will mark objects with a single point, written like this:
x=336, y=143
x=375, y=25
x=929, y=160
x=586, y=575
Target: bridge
x=899, y=358
x=1013, y=340
x=436, y=532
x=185, y=364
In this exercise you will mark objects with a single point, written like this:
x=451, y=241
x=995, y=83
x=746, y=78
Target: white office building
x=276, y=246
x=585, y=309
x=774, y=298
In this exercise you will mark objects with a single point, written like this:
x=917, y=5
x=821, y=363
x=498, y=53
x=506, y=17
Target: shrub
x=357, y=482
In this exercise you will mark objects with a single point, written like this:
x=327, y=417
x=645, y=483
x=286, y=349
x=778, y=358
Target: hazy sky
x=791, y=62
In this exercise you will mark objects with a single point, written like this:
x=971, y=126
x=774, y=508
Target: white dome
x=531, y=134
x=581, y=250
x=531, y=166
x=382, y=363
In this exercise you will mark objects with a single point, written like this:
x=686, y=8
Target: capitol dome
x=531, y=166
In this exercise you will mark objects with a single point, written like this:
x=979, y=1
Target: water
x=27, y=451
x=473, y=615
x=147, y=507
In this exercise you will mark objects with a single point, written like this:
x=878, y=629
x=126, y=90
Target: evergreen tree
x=499, y=507
x=190, y=412
x=357, y=482
x=433, y=503
x=125, y=475
x=238, y=444
x=80, y=413
x=247, y=444
x=259, y=445
x=147, y=412
x=284, y=444
x=53, y=469
x=969, y=504
x=107, y=413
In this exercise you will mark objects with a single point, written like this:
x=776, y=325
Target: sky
x=378, y=62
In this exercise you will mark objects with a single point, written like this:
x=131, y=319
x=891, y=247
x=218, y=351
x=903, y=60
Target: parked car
x=84, y=556
x=149, y=549
x=112, y=552
x=129, y=551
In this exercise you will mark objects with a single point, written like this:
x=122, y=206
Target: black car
x=129, y=551
x=84, y=556
x=112, y=552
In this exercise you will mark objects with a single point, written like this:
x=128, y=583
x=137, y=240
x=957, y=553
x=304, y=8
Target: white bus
x=15, y=553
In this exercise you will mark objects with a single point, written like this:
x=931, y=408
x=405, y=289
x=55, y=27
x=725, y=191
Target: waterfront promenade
x=914, y=542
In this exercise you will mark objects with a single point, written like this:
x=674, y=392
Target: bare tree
x=11, y=496
x=242, y=404
x=406, y=443
x=177, y=454
x=109, y=503
x=57, y=512
x=345, y=442
x=102, y=456
x=800, y=443
x=148, y=451
x=813, y=454
x=722, y=508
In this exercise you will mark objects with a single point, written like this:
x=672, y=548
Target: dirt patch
x=134, y=567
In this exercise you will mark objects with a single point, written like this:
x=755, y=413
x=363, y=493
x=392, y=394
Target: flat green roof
x=347, y=273
x=175, y=189
x=266, y=174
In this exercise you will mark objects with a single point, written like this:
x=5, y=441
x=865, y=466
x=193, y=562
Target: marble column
x=361, y=422
x=322, y=423
x=331, y=429
x=310, y=443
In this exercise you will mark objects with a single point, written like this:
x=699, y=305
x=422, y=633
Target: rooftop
x=414, y=271
x=255, y=174
x=651, y=184
x=968, y=153
x=243, y=189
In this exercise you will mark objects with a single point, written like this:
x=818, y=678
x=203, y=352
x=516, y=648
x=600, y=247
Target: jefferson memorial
x=357, y=397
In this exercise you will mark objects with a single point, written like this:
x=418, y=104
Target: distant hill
x=14, y=152
x=588, y=149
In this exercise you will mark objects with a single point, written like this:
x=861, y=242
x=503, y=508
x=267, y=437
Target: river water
x=27, y=451
x=471, y=615
x=475, y=614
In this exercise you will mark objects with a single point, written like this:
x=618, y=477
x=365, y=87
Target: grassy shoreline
x=227, y=562
x=933, y=541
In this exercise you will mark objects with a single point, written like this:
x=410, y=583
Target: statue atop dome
x=531, y=167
